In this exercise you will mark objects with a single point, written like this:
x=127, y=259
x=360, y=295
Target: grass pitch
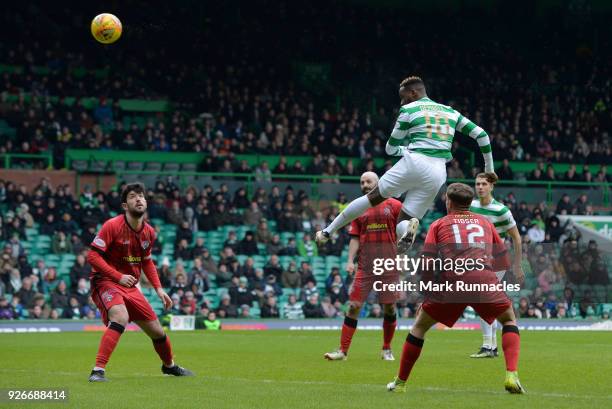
x=285, y=369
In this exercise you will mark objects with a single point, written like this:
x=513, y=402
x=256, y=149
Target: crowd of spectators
x=246, y=86
x=553, y=254
x=553, y=104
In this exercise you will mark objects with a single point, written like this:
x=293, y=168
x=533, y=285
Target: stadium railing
x=111, y=158
x=9, y=159
x=185, y=164
x=317, y=184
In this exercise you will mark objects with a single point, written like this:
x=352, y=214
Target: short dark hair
x=131, y=187
x=488, y=176
x=460, y=194
x=412, y=82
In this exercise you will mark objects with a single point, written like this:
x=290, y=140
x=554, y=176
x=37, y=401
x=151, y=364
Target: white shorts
x=420, y=176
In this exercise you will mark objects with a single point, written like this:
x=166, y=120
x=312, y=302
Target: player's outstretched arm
x=469, y=128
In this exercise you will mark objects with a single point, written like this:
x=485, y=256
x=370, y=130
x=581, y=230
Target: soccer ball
x=106, y=28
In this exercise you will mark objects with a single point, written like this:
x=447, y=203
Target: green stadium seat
x=117, y=165
x=98, y=166
x=171, y=167
x=289, y=291
x=157, y=222
x=80, y=165
x=64, y=269
x=189, y=167
x=134, y=165
x=153, y=166
x=221, y=291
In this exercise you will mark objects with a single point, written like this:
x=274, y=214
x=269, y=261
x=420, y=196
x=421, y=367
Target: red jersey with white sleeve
x=125, y=251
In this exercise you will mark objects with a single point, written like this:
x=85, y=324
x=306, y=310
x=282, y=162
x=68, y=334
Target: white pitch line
x=380, y=387
x=423, y=388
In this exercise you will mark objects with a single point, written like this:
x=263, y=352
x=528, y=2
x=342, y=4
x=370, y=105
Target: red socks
x=111, y=338
x=108, y=343
x=511, y=343
x=412, y=349
x=350, y=326
x=348, y=329
x=410, y=354
x=164, y=349
x=389, y=322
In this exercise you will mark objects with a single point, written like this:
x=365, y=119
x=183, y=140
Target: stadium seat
x=79, y=165
x=118, y=165
x=188, y=167
x=134, y=166
x=98, y=166
x=153, y=166
x=171, y=167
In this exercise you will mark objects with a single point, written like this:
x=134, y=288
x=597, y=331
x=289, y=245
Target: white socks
x=489, y=335
x=401, y=229
x=487, y=331
x=354, y=209
x=97, y=368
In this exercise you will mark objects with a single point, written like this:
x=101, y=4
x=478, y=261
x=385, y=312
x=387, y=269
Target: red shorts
x=449, y=313
x=106, y=294
x=364, y=283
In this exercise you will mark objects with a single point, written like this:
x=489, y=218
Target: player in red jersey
x=119, y=252
x=463, y=235
x=372, y=236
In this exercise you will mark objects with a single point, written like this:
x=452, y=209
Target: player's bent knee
x=153, y=329
x=354, y=308
x=158, y=332
x=507, y=317
x=423, y=322
x=389, y=309
x=118, y=314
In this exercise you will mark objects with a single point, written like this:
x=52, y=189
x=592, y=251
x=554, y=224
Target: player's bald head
x=368, y=181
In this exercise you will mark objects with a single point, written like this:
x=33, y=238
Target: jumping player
x=372, y=236
x=445, y=239
x=119, y=252
x=427, y=128
x=501, y=217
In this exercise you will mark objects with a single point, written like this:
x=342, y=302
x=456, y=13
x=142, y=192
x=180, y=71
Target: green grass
x=284, y=369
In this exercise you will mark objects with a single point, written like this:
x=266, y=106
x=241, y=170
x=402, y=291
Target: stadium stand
x=203, y=123
x=207, y=252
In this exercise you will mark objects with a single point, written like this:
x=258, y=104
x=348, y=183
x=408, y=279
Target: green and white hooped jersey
x=497, y=213
x=427, y=127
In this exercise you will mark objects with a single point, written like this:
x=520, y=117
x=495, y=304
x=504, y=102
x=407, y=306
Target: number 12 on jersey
x=474, y=232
